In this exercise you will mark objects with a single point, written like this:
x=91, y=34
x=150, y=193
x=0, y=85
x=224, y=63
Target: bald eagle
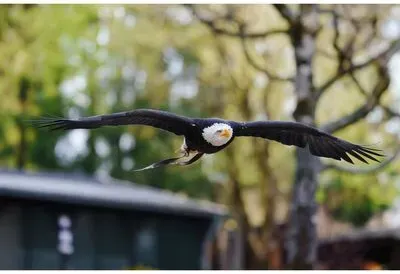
x=210, y=135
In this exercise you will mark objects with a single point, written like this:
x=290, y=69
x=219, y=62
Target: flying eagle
x=210, y=135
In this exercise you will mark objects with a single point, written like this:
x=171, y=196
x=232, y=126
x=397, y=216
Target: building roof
x=69, y=188
x=365, y=233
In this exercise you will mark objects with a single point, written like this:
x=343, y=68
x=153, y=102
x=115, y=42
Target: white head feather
x=212, y=134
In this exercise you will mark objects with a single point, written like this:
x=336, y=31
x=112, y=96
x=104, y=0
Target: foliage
x=358, y=201
x=87, y=63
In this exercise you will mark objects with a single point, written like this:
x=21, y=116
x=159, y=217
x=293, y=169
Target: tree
x=348, y=37
x=72, y=68
x=240, y=62
x=31, y=69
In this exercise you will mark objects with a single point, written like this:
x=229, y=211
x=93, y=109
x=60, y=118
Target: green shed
x=65, y=221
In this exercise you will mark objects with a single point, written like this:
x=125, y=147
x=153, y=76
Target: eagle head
x=218, y=134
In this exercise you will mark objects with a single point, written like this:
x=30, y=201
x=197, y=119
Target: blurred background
x=70, y=199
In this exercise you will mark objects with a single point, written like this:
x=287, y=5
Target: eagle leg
x=192, y=160
x=173, y=161
x=165, y=162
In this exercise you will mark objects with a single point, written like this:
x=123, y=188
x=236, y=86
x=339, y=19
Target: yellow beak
x=225, y=133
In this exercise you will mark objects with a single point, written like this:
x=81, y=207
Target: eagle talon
x=183, y=152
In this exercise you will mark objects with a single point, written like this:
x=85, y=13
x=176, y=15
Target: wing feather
x=320, y=151
x=313, y=148
x=163, y=120
x=341, y=154
x=319, y=143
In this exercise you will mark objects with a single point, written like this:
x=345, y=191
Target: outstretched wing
x=164, y=120
x=319, y=143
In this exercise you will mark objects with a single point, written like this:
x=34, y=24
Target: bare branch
x=345, y=52
x=370, y=170
x=348, y=49
x=338, y=76
x=371, y=102
x=223, y=56
x=336, y=38
x=243, y=34
x=285, y=12
x=212, y=24
x=383, y=57
x=390, y=111
x=354, y=21
x=260, y=68
x=358, y=84
x=370, y=38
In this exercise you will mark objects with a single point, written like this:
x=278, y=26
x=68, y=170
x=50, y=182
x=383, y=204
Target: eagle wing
x=319, y=143
x=163, y=120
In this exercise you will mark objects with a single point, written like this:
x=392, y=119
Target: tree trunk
x=251, y=258
x=21, y=153
x=301, y=238
x=24, y=85
x=301, y=242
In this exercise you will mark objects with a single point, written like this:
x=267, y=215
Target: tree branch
x=358, y=21
x=223, y=56
x=253, y=63
x=341, y=74
x=383, y=56
x=218, y=30
x=390, y=111
x=358, y=84
x=370, y=38
x=336, y=38
x=371, y=102
x=344, y=53
x=285, y=12
x=376, y=168
x=372, y=35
